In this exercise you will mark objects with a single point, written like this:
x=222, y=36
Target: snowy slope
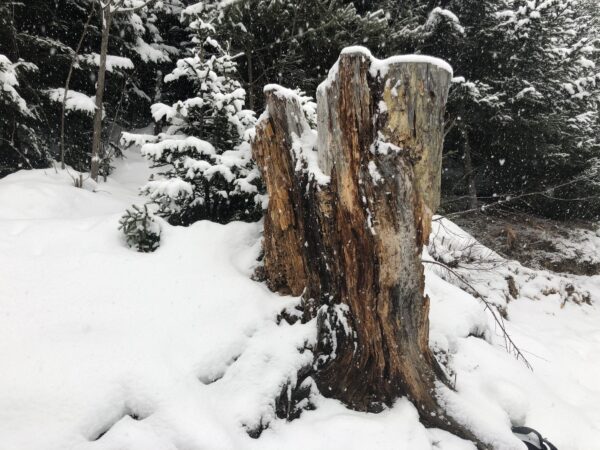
x=105, y=348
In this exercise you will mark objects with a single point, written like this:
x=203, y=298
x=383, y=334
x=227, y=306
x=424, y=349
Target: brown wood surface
x=353, y=246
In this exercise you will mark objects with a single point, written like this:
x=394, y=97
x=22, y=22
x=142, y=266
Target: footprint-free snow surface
x=105, y=348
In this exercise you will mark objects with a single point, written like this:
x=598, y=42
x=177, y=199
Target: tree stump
x=346, y=223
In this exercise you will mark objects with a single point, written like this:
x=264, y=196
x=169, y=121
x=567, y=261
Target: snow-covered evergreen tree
x=294, y=43
x=141, y=229
x=552, y=87
x=20, y=146
x=47, y=35
x=547, y=129
x=524, y=105
x=204, y=153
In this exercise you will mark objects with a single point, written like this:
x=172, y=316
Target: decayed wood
x=380, y=139
x=353, y=245
x=284, y=261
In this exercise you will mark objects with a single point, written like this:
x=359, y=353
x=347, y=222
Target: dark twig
x=510, y=345
x=544, y=193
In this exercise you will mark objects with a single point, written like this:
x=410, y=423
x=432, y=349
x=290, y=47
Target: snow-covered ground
x=105, y=348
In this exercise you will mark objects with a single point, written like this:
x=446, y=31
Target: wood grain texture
x=284, y=261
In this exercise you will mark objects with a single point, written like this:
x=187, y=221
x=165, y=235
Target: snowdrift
x=105, y=348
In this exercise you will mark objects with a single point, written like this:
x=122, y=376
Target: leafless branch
x=544, y=193
x=510, y=345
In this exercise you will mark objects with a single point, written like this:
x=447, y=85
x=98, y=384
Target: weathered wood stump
x=285, y=262
x=346, y=224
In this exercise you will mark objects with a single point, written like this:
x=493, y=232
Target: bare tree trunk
x=353, y=245
x=250, y=78
x=158, y=124
x=469, y=171
x=107, y=16
x=67, y=83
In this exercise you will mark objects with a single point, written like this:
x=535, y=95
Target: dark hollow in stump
x=346, y=224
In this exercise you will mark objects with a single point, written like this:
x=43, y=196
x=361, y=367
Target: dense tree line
x=522, y=116
x=43, y=41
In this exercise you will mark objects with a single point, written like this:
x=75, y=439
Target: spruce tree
x=20, y=145
x=204, y=153
x=552, y=86
x=294, y=43
x=47, y=35
x=523, y=111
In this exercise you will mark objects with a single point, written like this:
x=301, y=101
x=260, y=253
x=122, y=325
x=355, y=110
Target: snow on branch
x=150, y=52
x=112, y=62
x=177, y=144
x=439, y=15
x=130, y=139
x=8, y=82
x=76, y=101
